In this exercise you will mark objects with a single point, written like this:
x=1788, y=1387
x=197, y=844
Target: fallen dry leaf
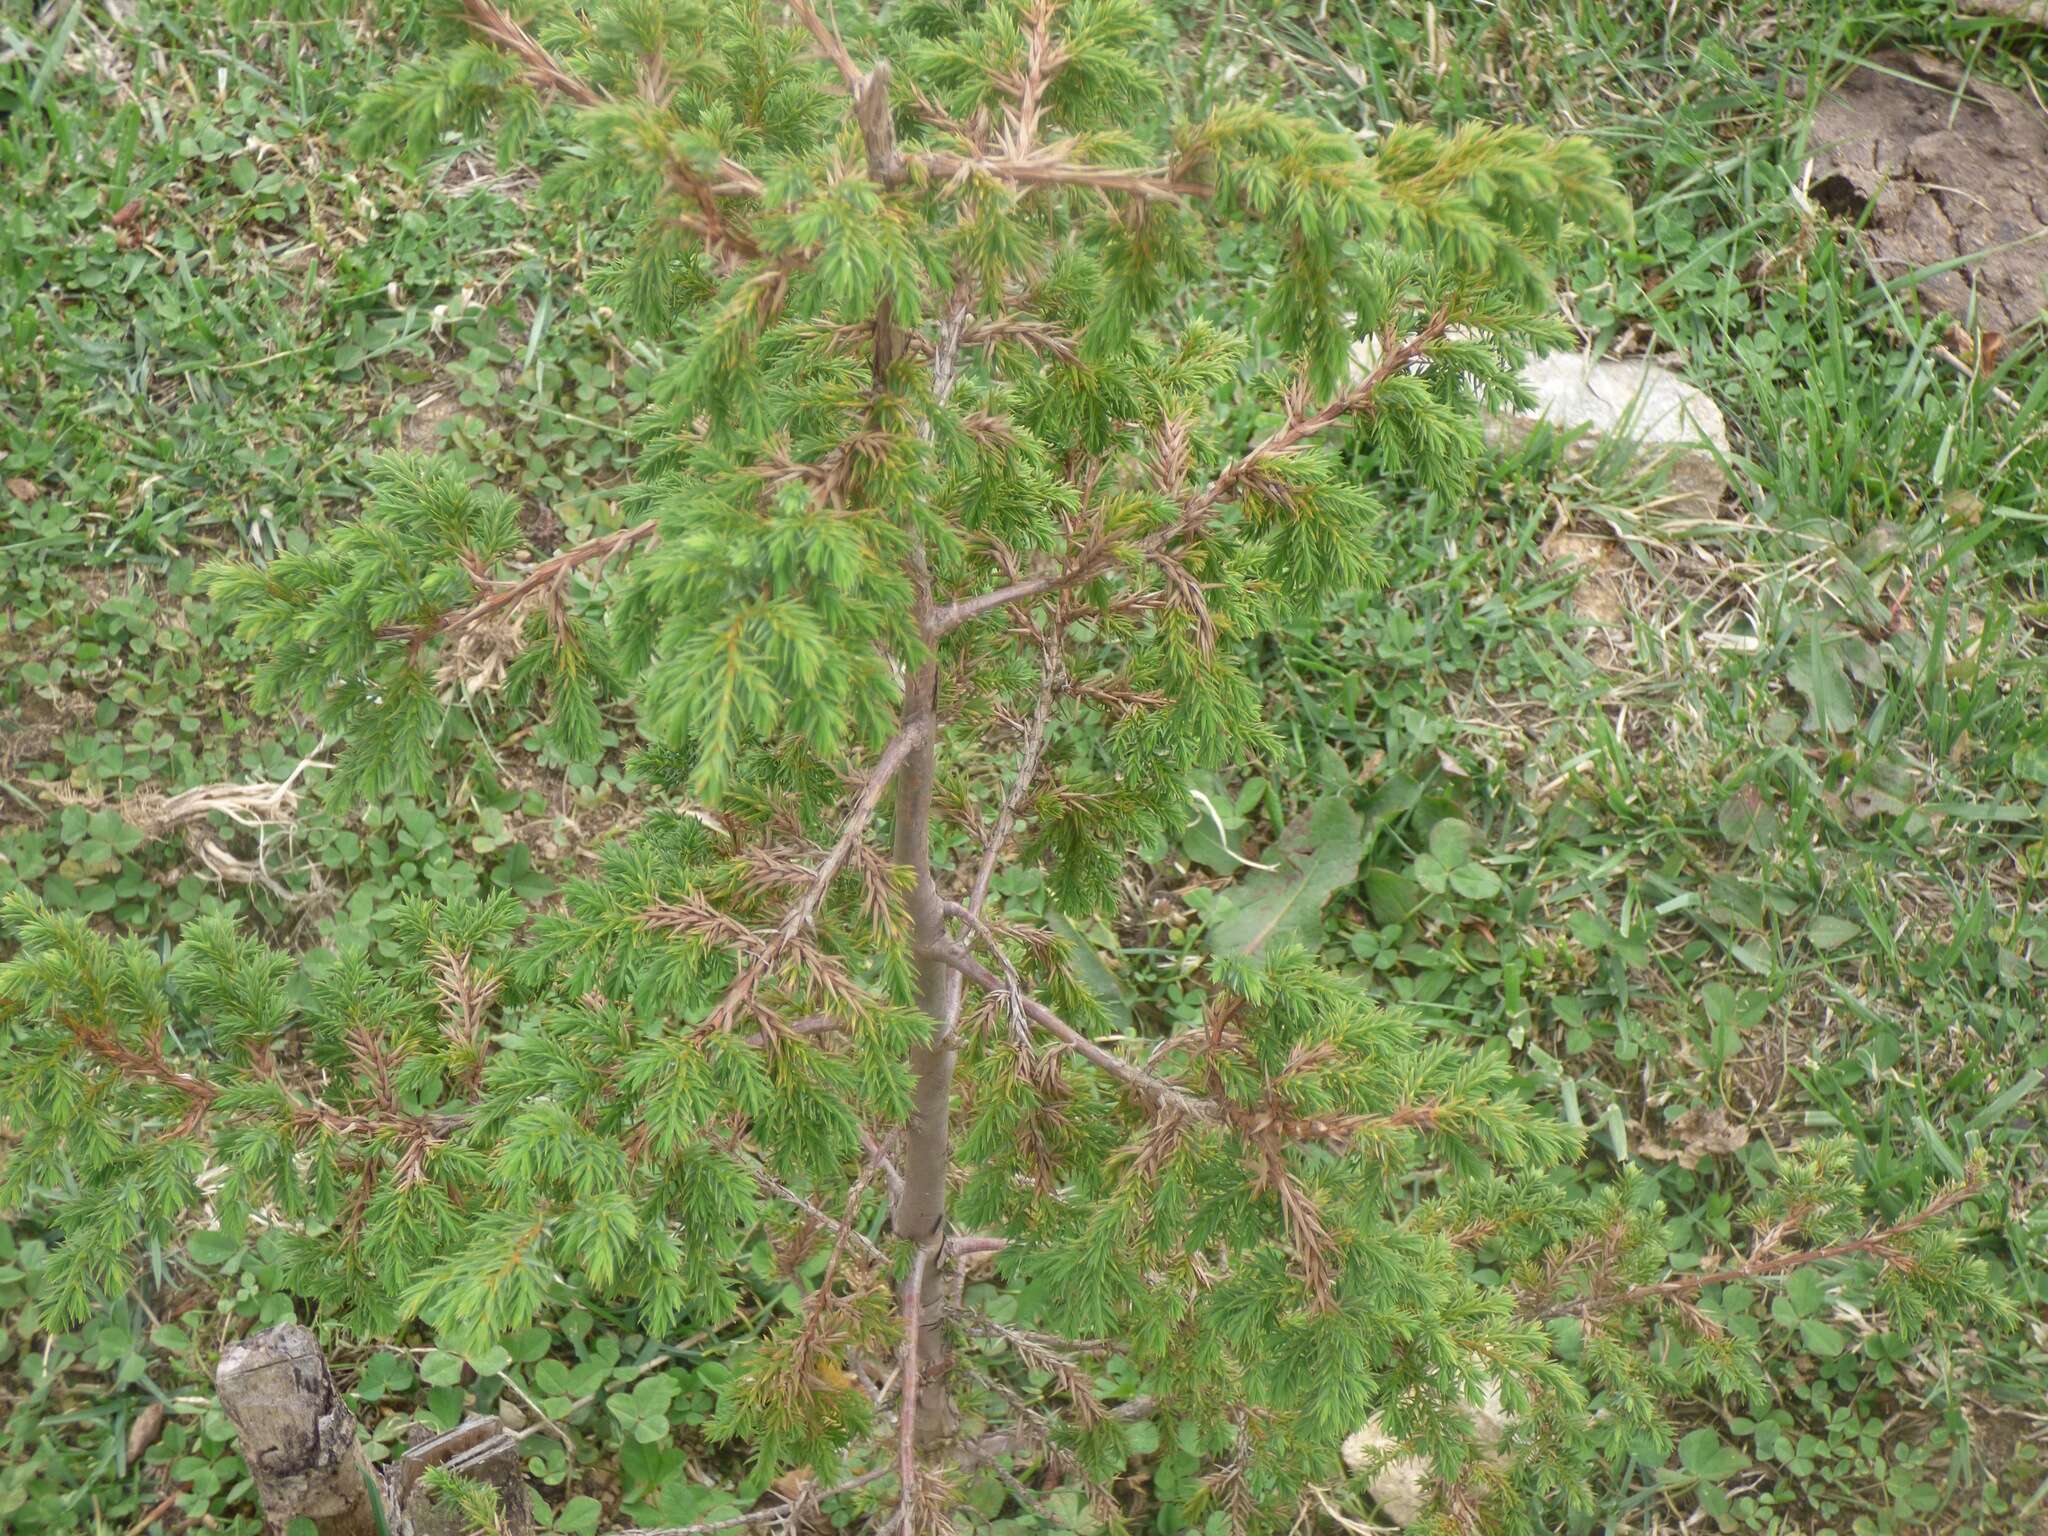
x=142, y=1434
x=1701, y=1133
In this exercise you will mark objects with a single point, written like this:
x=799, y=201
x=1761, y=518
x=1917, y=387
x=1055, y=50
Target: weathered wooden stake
x=298, y=1437
x=480, y=1450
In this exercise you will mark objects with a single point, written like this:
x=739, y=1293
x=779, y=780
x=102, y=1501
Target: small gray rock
x=1669, y=424
x=1401, y=1485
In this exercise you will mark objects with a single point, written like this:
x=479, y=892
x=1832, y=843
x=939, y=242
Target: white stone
x=1401, y=1486
x=1665, y=422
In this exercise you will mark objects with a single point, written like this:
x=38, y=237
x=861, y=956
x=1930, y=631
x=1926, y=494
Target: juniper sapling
x=949, y=533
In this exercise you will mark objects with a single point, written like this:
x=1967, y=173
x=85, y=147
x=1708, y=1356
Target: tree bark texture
x=927, y=1153
x=298, y=1437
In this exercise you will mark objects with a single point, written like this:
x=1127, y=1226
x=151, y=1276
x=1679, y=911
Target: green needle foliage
x=942, y=531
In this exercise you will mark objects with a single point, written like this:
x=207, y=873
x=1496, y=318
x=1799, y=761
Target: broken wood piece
x=478, y=1449
x=298, y=1436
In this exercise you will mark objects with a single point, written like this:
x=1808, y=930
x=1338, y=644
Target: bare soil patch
x=1944, y=166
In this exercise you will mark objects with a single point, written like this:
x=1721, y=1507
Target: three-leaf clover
x=1450, y=864
x=643, y=1412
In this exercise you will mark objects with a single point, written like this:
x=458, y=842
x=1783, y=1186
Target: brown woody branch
x=763, y=954
x=1043, y=59
x=1880, y=1245
x=1165, y=1095
x=810, y=1337
x=548, y=74
x=1028, y=759
x=845, y=1231
x=142, y=1065
x=906, y=741
x=543, y=71
x=1273, y=1119
x=549, y=577
x=1037, y=335
x=812, y=1025
x=1020, y=160
x=871, y=110
x=915, y=1328
x=1050, y=166
x=1356, y=401
x=1099, y=554
x=1266, y=1131
x=149, y=1065
x=465, y=995
x=829, y=43
x=416, y=1134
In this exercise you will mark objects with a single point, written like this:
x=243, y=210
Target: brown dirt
x=35, y=728
x=542, y=527
x=420, y=431
x=1600, y=595
x=1998, y=1434
x=1944, y=165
